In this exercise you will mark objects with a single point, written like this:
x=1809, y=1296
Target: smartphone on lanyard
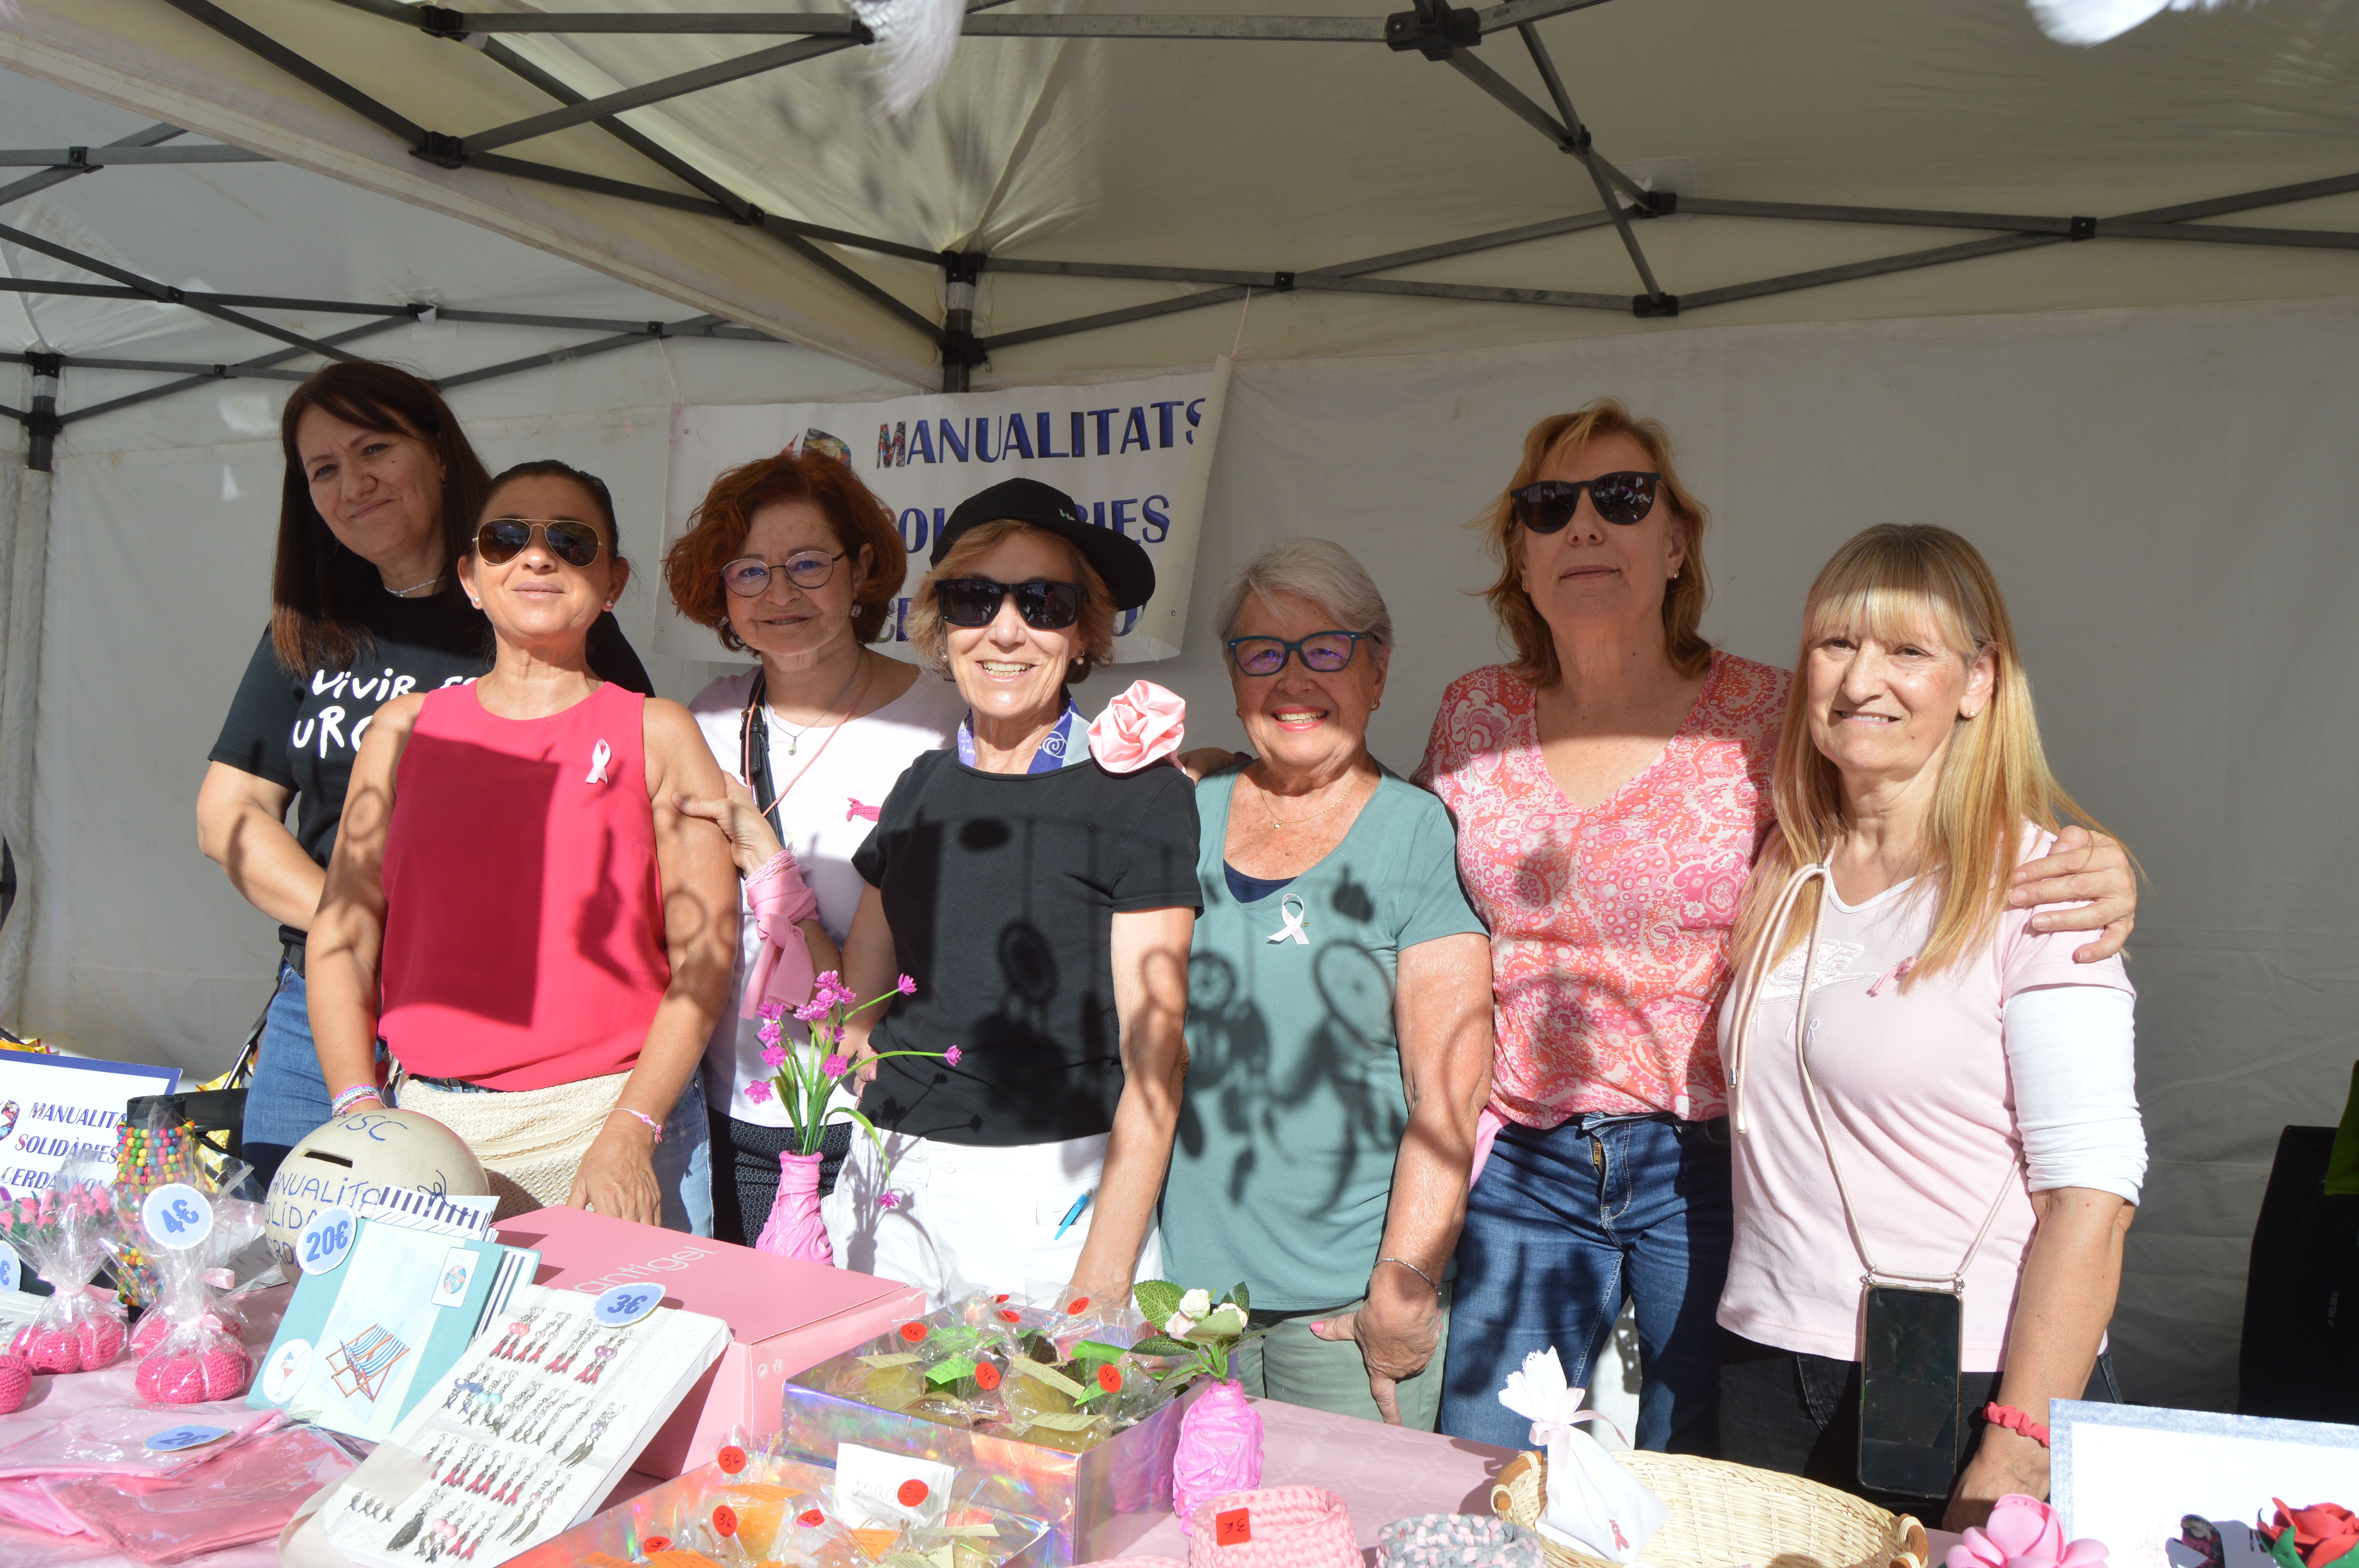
x=1908, y=1375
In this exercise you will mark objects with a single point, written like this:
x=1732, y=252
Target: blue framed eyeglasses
x=1323, y=651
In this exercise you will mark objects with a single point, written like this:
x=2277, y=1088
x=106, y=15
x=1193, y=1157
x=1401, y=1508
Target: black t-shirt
x=1001, y=890
x=301, y=731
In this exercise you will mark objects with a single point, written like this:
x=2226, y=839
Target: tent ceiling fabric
x=1297, y=156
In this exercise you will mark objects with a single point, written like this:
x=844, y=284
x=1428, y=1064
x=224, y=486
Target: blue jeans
x=1562, y=1225
x=682, y=1160
x=287, y=1097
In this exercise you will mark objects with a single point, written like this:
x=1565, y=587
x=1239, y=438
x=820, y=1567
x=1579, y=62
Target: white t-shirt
x=830, y=802
x=1927, y=1109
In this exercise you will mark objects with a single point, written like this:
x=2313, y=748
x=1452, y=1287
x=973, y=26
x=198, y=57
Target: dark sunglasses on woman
x=502, y=539
x=1046, y=606
x=1621, y=498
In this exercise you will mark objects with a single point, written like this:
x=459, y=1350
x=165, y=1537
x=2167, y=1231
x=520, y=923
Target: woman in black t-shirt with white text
x=1043, y=903
x=364, y=610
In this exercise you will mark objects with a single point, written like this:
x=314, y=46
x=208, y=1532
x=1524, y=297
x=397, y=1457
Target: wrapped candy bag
x=63, y=1232
x=200, y=1355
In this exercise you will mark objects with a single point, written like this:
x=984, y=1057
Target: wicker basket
x=1723, y=1514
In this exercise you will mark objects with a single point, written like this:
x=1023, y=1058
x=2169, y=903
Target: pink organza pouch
x=246, y=1493
x=112, y=1439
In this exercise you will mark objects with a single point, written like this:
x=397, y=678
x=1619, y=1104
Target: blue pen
x=1071, y=1214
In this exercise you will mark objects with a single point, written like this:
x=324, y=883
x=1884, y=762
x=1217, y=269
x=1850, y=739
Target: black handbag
x=2299, y=1357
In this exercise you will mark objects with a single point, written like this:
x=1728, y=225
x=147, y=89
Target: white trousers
x=967, y=1218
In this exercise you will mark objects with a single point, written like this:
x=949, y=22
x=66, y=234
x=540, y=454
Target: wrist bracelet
x=652, y=1124
x=342, y=1105
x=2014, y=1419
x=1414, y=1270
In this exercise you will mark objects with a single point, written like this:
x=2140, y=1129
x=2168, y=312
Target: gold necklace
x=1276, y=821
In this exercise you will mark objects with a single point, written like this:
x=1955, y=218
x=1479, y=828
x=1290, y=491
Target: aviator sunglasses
x=502, y=539
x=1046, y=606
x=1620, y=498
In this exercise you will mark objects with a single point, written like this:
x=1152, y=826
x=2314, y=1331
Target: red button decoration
x=913, y=1492
x=1234, y=1528
x=1008, y=1316
x=1110, y=1378
x=732, y=1458
x=986, y=1376
x=1078, y=1306
x=810, y=1517
x=1000, y=1299
x=915, y=1332
x=725, y=1520
x=656, y=1543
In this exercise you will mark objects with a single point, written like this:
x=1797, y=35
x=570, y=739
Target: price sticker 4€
x=177, y=1215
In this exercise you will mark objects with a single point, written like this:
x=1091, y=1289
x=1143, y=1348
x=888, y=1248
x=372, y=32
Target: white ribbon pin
x=1297, y=915
x=600, y=756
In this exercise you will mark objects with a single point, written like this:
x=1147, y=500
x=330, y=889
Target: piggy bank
x=342, y=1161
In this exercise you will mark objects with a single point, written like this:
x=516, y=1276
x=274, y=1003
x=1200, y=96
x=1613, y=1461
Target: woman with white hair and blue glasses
x=1338, y=1014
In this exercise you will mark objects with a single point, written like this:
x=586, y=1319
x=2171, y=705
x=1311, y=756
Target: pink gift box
x=783, y=1316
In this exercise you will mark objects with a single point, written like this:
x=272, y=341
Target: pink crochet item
x=2022, y=1533
x=84, y=1346
x=1219, y=1450
x=16, y=1382
x=1284, y=1527
x=191, y=1377
x=150, y=1331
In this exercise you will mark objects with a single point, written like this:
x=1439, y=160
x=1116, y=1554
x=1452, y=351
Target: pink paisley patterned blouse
x=1609, y=927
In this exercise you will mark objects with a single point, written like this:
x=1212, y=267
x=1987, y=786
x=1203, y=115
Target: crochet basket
x=1723, y=1514
x=1293, y=1527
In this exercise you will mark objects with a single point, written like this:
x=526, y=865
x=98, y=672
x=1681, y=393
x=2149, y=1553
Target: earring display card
x=528, y=1434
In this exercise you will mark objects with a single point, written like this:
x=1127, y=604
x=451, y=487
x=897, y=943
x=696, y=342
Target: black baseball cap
x=1118, y=559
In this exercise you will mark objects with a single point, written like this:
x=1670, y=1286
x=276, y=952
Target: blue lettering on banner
x=1080, y=443
x=1015, y=440
x=921, y=444
x=1195, y=417
x=1104, y=417
x=1097, y=513
x=915, y=542
x=954, y=443
x=1047, y=446
x=1121, y=516
x=983, y=431
x=1163, y=416
x=1155, y=518
x=1133, y=432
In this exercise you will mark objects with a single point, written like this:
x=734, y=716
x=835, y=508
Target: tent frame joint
x=2082, y=229
x=441, y=149
x=1648, y=307
x=442, y=22
x=41, y=422
x=1436, y=29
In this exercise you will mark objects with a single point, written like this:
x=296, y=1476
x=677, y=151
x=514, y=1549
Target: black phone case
x=1909, y=1420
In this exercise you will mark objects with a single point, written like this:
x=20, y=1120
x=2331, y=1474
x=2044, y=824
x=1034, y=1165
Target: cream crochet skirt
x=531, y=1142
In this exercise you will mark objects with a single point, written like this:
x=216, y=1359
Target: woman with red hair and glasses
x=792, y=559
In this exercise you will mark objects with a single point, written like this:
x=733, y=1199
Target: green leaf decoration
x=1245, y=1303
x=1163, y=1345
x=1157, y=1299
x=950, y=1371
x=1091, y=1351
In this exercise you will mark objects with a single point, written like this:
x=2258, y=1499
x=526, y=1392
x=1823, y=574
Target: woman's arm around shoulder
x=1150, y=997
x=347, y=935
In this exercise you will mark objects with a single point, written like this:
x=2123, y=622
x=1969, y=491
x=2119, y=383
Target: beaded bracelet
x=2014, y=1419
x=343, y=1104
x=652, y=1124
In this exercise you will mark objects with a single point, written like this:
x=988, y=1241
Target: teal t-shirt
x=1294, y=1110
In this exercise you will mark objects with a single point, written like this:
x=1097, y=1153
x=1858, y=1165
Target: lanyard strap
x=1755, y=975
x=756, y=759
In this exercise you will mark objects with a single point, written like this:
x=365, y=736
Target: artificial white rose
x=1178, y=1324
x=1196, y=1303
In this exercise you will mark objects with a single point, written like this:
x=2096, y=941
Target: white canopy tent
x=2148, y=431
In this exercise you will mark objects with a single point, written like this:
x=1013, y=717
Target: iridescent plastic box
x=1095, y=1504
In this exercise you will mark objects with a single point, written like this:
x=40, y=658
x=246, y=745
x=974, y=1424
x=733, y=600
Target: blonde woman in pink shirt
x=1611, y=788
x=1933, y=1187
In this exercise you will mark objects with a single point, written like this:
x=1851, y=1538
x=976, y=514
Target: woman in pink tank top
x=514, y=904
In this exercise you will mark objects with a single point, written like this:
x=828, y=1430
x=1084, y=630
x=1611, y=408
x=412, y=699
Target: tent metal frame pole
x=165, y=295
x=1578, y=142
x=84, y=158
x=32, y=183
x=322, y=81
x=719, y=73
x=444, y=22
x=400, y=314
x=691, y=327
x=222, y=372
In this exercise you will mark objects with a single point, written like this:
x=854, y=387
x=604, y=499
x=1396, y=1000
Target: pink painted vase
x=1219, y=1451
x=794, y=1229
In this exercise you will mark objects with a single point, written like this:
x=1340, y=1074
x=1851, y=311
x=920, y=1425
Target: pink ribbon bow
x=1143, y=724
x=782, y=970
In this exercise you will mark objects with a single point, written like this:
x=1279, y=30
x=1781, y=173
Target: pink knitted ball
x=176, y=1378
x=16, y=1382
x=100, y=1339
x=50, y=1349
x=151, y=1333
x=224, y=1370
x=148, y=1379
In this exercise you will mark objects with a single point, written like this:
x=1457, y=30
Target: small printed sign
x=177, y=1215
x=10, y=1270
x=1232, y=1528
x=625, y=1304
x=174, y=1439
x=325, y=1239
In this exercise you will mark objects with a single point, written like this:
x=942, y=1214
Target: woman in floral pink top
x=1610, y=789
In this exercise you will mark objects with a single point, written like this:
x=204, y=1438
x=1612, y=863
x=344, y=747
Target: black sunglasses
x=1046, y=606
x=1621, y=498
x=502, y=539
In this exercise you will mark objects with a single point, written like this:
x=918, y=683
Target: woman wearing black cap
x=1043, y=905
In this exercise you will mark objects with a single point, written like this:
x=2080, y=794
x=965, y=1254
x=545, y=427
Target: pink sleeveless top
x=524, y=934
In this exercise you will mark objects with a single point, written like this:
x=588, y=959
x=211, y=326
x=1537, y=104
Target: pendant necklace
x=430, y=582
x=794, y=737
